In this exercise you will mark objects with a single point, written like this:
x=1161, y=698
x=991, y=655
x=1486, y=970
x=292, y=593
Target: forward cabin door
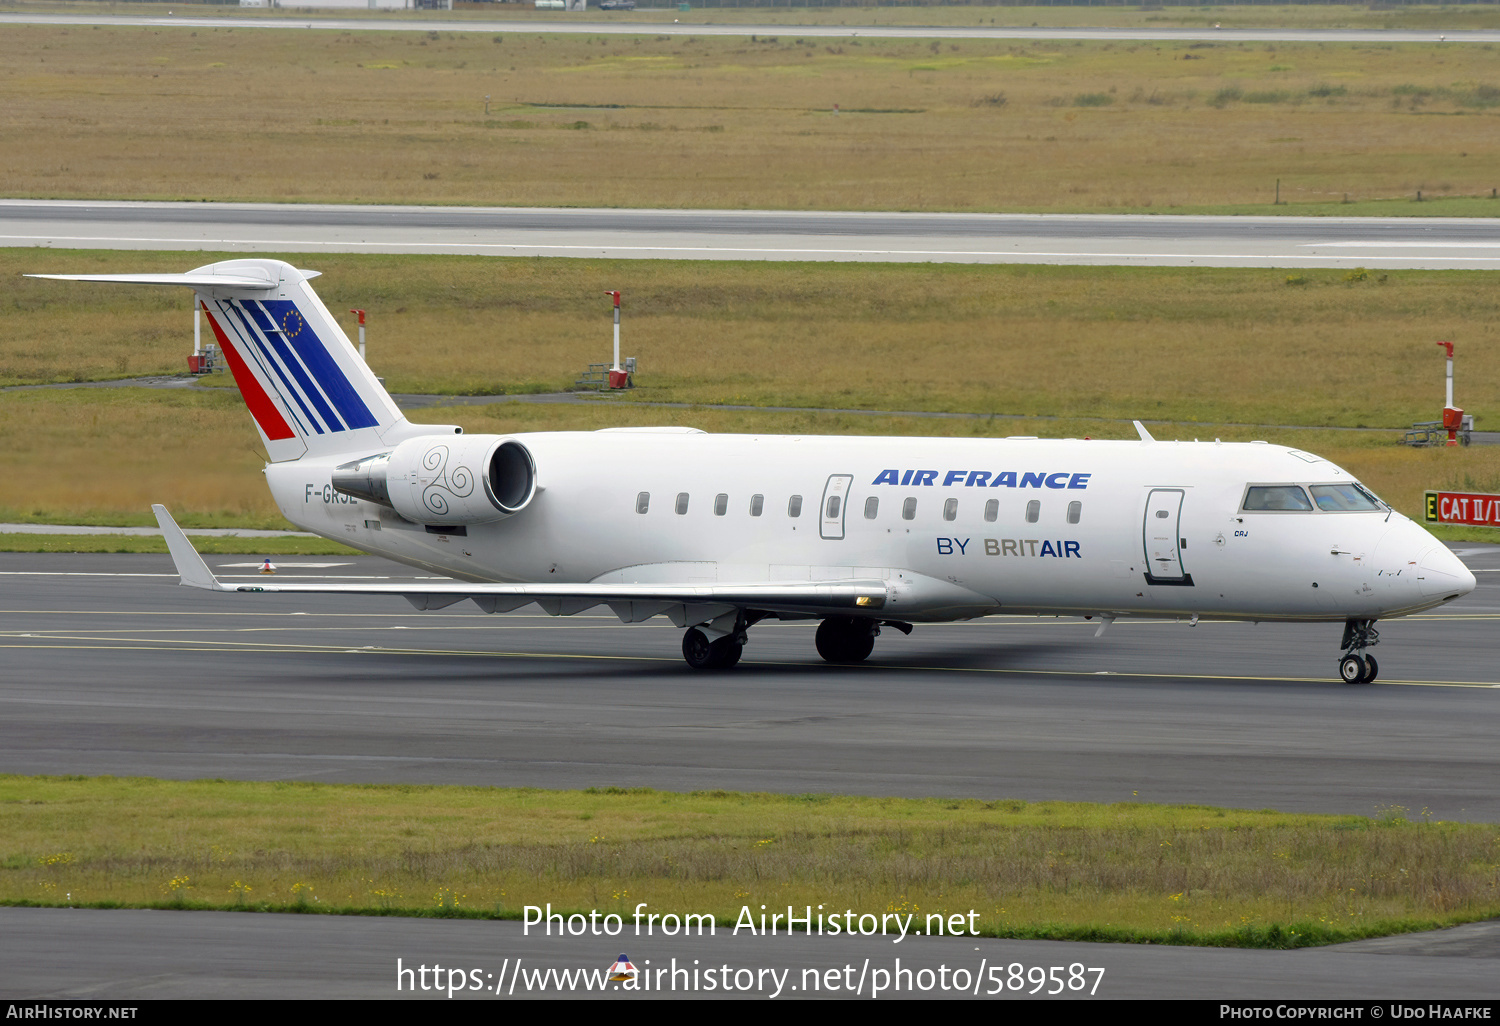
x=1163, y=539
x=835, y=499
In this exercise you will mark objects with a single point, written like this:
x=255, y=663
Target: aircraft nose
x=1442, y=574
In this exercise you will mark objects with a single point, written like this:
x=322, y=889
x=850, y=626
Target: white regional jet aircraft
x=720, y=532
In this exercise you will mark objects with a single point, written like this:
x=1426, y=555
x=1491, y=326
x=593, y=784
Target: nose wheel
x=1357, y=669
x=1356, y=666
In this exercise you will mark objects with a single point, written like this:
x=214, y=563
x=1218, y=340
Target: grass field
x=210, y=546
x=1211, y=346
x=658, y=121
x=1102, y=872
x=1209, y=350
x=103, y=456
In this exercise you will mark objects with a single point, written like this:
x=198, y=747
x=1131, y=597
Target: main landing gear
x=844, y=640
x=702, y=654
x=1357, y=667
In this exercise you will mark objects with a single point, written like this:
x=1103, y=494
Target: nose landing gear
x=1356, y=667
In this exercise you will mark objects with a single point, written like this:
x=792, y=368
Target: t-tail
x=302, y=379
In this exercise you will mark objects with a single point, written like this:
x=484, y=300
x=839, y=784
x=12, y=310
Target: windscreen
x=1344, y=498
x=1279, y=498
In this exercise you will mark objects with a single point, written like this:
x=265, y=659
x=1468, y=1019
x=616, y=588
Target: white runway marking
x=1408, y=245
x=1165, y=257
x=280, y=565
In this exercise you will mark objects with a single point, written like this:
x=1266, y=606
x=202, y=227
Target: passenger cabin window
x=950, y=509
x=1033, y=511
x=909, y=509
x=682, y=503
x=832, y=510
x=642, y=502
x=757, y=505
x=794, y=506
x=1279, y=498
x=872, y=507
x=721, y=504
x=1075, y=511
x=992, y=510
x=1344, y=498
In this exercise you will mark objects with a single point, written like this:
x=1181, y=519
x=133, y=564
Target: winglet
x=190, y=566
x=1141, y=430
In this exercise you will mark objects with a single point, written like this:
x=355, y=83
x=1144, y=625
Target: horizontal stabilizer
x=199, y=281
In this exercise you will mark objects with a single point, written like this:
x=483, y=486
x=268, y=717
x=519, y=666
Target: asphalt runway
x=110, y=667
x=127, y=955
x=624, y=23
x=1146, y=240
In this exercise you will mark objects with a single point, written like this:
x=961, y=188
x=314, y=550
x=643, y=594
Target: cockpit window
x=1344, y=498
x=1281, y=498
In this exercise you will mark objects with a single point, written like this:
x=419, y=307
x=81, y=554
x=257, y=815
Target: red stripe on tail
x=262, y=409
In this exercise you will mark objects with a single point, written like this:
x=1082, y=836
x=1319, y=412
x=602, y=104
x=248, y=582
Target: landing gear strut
x=1356, y=667
x=844, y=639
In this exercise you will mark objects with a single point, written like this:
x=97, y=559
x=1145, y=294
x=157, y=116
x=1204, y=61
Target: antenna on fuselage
x=1141, y=430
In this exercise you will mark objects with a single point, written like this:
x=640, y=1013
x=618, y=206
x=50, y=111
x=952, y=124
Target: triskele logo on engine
x=982, y=479
x=459, y=483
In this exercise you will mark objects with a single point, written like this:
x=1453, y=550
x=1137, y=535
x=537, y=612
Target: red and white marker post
x=1453, y=417
x=617, y=376
x=361, y=314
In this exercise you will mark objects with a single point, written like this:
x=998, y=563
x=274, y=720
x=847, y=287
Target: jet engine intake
x=461, y=479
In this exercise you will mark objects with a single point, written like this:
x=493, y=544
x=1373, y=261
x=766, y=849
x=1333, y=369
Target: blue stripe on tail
x=314, y=353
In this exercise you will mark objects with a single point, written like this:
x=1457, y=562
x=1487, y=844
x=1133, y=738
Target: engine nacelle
x=443, y=480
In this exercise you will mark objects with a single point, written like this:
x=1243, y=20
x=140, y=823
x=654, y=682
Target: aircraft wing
x=690, y=603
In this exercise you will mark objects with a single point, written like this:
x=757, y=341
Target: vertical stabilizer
x=304, y=382
x=302, y=379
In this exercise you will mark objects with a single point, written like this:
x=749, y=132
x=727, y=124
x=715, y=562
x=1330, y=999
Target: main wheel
x=727, y=653
x=697, y=649
x=1372, y=669
x=702, y=654
x=845, y=640
x=1352, y=669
